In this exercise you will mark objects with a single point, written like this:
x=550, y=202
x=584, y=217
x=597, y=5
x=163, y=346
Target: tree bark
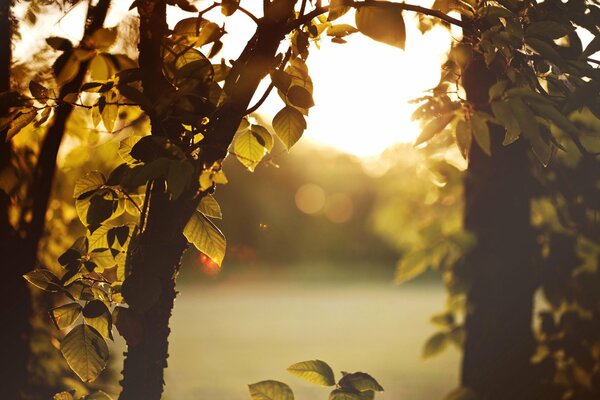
x=19, y=246
x=157, y=256
x=499, y=340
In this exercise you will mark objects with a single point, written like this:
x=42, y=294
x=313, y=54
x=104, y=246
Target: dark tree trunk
x=156, y=257
x=19, y=246
x=14, y=294
x=499, y=340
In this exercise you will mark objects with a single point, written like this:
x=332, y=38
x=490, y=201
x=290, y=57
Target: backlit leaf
x=270, y=390
x=90, y=182
x=435, y=344
x=65, y=315
x=248, y=149
x=314, y=371
x=209, y=207
x=86, y=352
x=481, y=133
x=43, y=279
x=206, y=237
x=361, y=382
x=300, y=97
x=289, y=124
x=434, y=127
x=384, y=24
x=97, y=315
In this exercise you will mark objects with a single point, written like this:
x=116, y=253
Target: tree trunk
x=14, y=294
x=499, y=340
x=156, y=257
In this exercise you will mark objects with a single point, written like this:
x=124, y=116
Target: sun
x=362, y=90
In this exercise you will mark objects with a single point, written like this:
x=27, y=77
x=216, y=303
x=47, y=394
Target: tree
x=169, y=175
x=20, y=240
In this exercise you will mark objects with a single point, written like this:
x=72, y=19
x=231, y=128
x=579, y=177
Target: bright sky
x=361, y=89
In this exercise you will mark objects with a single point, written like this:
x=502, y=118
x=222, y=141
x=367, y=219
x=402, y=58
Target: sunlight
x=363, y=107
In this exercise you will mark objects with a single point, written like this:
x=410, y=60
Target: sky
x=362, y=89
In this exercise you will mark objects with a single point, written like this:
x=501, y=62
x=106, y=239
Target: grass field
x=227, y=335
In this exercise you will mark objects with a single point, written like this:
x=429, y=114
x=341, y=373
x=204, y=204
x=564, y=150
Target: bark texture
x=499, y=339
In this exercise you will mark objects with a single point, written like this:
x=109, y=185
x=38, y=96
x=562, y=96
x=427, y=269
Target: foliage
x=351, y=386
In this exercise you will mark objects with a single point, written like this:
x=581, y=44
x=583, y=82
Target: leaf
x=383, y=24
x=411, y=266
x=110, y=111
x=463, y=138
x=207, y=238
x=435, y=344
x=90, y=182
x=504, y=115
x=86, y=352
x=228, y=7
x=341, y=394
x=530, y=128
x=270, y=390
x=209, y=207
x=248, y=149
x=548, y=29
x=263, y=136
x=43, y=279
x=20, y=122
x=59, y=43
x=341, y=30
x=300, y=97
x=360, y=381
x=37, y=90
x=481, y=133
x=434, y=127
x=337, y=8
x=313, y=371
x=66, y=72
x=97, y=315
x=65, y=315
x=103, y=38
x=125, y=147
x=289, y=124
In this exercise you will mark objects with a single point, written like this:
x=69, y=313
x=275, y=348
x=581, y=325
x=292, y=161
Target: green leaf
x=531, y=129
x=463, y=138
x=263, y=136
x=383, y=24
x=481, y=133
x=411, y=266
x=270, y=390
x=341, y=394
x=207, y=238
x=434, y=127
x=300, y=97
x=435, y=344
x=361, y=382
x=86, y=352
x=65, y=315
x=97, y=315
x=289, y=124
x=43, y=279
x=313, y=371
x=248, y=149
x=282, y=80
x=90, y=182
x=209, y=207
x=69, y=69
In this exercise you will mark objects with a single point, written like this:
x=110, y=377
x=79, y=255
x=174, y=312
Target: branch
x=263, y=98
